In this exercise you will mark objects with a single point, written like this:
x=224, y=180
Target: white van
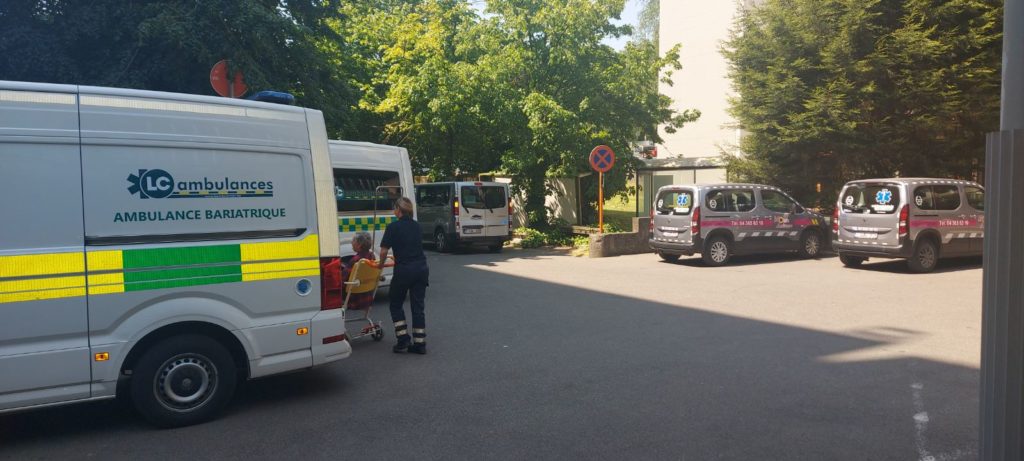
x=160, y=247
x=454, y=214
x=368, y=178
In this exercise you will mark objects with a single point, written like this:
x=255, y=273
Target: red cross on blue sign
x=602, y=159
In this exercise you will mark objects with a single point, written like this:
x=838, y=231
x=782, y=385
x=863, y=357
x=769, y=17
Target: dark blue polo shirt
x=405, y=239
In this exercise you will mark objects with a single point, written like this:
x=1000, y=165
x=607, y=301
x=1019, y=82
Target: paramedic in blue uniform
x=405, y=239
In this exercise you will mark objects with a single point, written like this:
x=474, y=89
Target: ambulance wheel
x=495, y=248
x=183, y=380
x=851, y=261
x=378, y=333
x=441, y=242
x=925, y=257
x=810, y=245
x=669, y=257
x=717, y=251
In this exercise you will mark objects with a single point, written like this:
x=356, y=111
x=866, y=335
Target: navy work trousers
x=412, y=279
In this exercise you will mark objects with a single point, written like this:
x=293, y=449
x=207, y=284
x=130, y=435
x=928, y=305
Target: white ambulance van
x=368, y=178
x=161, y=247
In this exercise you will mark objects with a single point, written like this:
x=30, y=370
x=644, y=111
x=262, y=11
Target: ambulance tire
x=810, y=244
x=851, y=261
x=165, y=380
x=496, y=248
x=925, y=257
x=668, y=257
x=717, y=251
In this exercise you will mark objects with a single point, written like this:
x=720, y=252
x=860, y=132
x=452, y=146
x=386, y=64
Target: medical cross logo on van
x=883, y=197
x=159, y=183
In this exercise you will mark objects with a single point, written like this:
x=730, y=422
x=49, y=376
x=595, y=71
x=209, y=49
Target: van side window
x=924, y=198
x=738, y=200
x=947, y=198
x=975, y=197
x=432, y=196
x=356, y=191
x=775, y=201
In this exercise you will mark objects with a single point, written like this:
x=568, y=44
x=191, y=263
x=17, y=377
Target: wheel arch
x=932, y=235
x=211, y=330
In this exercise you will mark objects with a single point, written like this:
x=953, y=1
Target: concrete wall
x=623, y=243
x=562, y=201
x=700, y=26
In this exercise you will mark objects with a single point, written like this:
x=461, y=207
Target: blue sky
x=630, y=15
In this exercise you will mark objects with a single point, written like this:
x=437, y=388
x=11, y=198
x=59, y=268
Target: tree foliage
x=171, y=45
x=526, y=87
x=834, y=90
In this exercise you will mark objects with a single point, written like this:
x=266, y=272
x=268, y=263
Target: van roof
x=916, y=181
x=147, y=94
x=482, y=183
x=730, y=185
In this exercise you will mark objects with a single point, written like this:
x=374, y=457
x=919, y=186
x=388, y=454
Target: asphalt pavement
x=536, y=354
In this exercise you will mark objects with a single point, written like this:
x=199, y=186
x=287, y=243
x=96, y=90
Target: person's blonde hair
x=404, y=205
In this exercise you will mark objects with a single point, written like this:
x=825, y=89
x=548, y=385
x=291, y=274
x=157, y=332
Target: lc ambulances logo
x=158, y=183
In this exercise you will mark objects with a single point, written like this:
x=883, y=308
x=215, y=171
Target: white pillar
x=1002, y=353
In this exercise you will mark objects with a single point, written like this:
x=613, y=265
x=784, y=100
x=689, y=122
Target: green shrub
x=531, y=238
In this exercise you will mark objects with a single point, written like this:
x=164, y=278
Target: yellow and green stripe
x=364, y=223
x=61, y=275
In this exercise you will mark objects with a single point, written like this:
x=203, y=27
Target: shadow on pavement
x=900, y=265
x=523, y=368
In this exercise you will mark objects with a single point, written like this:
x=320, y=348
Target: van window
x=947, y=198
x=432, y=196
x=483, y=197
x=777, y=202
x=734, y=200
x=871, y=198
x=924, y=198
x=675, y=202
x=975, y=197
x=357, y=190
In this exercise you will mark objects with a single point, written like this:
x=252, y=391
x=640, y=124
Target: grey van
x=917, y=219
x=464, y=213
x=722, y=220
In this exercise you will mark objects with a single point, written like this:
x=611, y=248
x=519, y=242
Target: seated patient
x=362, y=244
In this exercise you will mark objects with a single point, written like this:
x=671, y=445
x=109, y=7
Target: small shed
x=659, y=172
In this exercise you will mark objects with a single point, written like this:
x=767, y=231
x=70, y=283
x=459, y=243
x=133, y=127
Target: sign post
x=602, y=159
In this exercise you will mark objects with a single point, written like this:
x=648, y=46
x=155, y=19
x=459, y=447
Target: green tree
x=170, y=45
x=833, y=90
x=576, y=91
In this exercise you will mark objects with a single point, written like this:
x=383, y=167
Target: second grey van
x=454, y=214
x=917, y=219
x=722, y=220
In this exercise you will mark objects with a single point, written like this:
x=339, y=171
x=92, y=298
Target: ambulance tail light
x=510, y=217
x=455, y=208
x=650, y=222
x=330, y=283
x=904, y=220
x=695, y=222
x=835, y=219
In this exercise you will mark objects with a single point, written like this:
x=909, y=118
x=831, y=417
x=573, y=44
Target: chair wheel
x=378, y=334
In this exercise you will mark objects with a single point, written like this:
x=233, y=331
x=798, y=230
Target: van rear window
x=871, y=198
x=675, y=202
x=484, y=197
